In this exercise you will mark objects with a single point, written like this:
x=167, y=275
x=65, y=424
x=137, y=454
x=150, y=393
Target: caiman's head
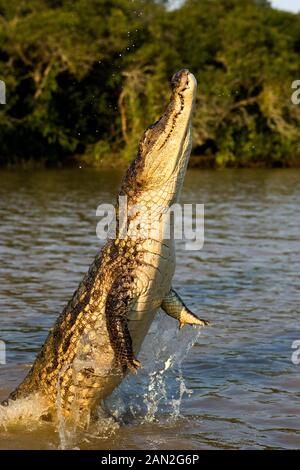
x=165, y=147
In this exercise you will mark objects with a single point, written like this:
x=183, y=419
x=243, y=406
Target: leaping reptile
x=97, y=337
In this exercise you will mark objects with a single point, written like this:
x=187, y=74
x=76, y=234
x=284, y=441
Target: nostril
x=180, y=78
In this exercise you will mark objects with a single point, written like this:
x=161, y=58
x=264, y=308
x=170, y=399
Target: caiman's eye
x=150, y=132
x=150, y=136
x=152, y=125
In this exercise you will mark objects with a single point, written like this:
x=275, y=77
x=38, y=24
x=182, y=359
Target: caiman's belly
x=92, y=375
x=153, y=282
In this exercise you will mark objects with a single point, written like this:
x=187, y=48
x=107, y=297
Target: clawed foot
x=131, y=364
x=134, y=365
x=199, y=322
x=205, y=322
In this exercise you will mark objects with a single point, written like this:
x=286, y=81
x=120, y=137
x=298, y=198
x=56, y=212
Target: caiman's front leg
x=174, y=306
x=117, y=308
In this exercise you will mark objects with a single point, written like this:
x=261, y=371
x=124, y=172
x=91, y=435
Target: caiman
x=97, y=337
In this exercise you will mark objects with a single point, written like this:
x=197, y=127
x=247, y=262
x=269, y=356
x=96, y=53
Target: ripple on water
x=232, y=386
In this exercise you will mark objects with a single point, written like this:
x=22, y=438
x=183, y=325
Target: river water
x=232, y=385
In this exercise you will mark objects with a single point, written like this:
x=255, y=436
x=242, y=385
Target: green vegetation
x=85, y=77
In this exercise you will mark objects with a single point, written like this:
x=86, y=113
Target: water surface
x=230, y=386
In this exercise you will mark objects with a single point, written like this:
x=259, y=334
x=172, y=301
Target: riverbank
x=78, y=83
x=116, y=161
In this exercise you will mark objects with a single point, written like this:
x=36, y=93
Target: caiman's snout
x=165, y=147
x=183, y=80
x=180, y=80
x=184, y=89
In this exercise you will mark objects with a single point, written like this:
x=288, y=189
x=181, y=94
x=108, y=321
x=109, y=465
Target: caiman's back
x=98, y=335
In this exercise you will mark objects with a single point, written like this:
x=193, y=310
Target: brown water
x=230, y=386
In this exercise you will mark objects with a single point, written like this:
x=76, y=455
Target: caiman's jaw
x=165, y=147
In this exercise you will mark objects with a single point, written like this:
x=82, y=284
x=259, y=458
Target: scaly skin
x=96, y=339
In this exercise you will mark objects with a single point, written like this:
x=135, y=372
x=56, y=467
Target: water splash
x=159, y=387
x=176, y=402
x=155, y=394
x=168, y=381
x=70, y=437
x=157, y=391
x=29, y=410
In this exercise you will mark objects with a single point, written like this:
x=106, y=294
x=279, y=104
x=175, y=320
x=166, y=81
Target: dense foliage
x=85, y=77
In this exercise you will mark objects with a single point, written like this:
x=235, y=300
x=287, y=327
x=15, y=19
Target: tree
x=84, y=79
